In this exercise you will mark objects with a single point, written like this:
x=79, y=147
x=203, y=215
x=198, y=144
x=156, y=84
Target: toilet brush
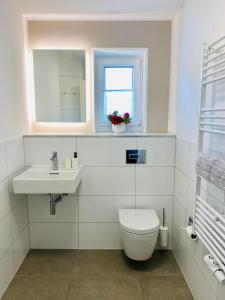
x=163, y=233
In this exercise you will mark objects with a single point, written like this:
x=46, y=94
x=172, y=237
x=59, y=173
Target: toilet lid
x=139, y=221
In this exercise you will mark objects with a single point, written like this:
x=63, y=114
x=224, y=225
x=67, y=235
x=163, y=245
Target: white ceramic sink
x=38, y=180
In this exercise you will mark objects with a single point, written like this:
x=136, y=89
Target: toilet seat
x=139, y=221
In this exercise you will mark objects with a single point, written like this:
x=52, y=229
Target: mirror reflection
x=60, y=85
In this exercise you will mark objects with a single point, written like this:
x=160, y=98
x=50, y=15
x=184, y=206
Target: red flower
x=116, y=120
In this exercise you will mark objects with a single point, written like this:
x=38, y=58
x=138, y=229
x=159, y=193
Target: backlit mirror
x=60, y=85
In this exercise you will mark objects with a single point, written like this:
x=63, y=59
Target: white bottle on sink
x=75, y=162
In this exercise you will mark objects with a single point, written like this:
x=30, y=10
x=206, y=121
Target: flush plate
x=136, y=156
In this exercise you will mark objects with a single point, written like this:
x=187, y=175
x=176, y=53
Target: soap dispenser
x=75, y=161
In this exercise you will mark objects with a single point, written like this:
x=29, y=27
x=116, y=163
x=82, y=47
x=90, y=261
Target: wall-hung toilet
x=139, y=231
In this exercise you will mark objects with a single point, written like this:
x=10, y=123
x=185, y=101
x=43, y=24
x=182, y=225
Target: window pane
x=121, y=101
x=118, y=78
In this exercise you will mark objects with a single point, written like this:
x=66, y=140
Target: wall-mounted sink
x=38, y=180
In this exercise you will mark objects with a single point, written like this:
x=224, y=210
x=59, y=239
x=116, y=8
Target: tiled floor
x=97, y=275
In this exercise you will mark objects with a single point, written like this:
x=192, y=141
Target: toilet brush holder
x=163, y=236
x=163, y=233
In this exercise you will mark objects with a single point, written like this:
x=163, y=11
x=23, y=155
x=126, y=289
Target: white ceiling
x=98, y=6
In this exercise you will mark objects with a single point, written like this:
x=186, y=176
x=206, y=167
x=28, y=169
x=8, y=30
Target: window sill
x=106, y=134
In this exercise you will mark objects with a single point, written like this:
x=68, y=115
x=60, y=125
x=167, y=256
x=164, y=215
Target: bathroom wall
x=14, y=237
x=110, y=34
x=209, y=17
x=89, y=220
x=12, y=112
x=14, y=234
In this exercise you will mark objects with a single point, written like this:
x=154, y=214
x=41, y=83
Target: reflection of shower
x=70, y=98
x=71, y=78
x=59, y=78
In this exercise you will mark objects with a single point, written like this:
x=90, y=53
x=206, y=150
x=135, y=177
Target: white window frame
x=121, y=58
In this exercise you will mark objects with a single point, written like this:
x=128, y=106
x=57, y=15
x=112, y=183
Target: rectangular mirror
x=60, y=85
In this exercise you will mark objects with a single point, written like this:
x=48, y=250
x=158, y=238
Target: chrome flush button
x=136, y=156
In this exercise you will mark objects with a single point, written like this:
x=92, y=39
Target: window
x=118, y=90
x=119, y=86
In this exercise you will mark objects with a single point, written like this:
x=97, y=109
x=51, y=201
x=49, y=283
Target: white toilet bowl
x=139, y=231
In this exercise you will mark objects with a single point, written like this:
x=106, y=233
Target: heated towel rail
x=209, y=225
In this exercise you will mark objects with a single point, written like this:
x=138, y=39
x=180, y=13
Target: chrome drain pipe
x=54, y=199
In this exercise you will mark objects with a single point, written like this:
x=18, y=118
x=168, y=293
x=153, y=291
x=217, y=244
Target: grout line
x=68, y=292
x=126, y=195
x=135, y=179
x=28, y=222
x=128, y=166
x=5, y=216
x=82, y=222
x=78, y=207
x=108, y=195
x=174, y=182
x=181, y=204
x=141, y=287
x=24, y=154
x=102, y=135
x=87, y=222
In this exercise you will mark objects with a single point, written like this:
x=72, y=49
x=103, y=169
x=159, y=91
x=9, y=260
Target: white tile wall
x=5, y=235
x=107, y=185
x=39, y=209
x=15, y=155
x=158, y=203
x=38, y=149
x=221, y=292
x=191, y=197
x=104, y=151
x=154, y=180
x=198, y=251
x=14, y=199
x=3, y=162
x=179, y=218
x=14, y=234
x=181, y=187
x=196, y=280
x=53, y=235
x=4, y=196
x=107, y=181
x=189, y=254
x=20, y=247
x=19, y=218
x=160, y=151
x=182, y=155
x=6, y=270
x=99, y=236
x=103, y=208
x=179, y=248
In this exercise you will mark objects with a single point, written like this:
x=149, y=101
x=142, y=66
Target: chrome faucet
x=54, y=160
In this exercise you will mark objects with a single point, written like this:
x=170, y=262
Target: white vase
x=120, y=128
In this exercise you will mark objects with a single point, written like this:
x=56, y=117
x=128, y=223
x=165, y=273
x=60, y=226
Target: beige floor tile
x=49, y=262
x=97, y=275
x=38, y=288
x=165, y=288
x=115, y=262
x=106, y=288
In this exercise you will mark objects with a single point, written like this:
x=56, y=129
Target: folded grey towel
x=204, y=165
x=217, y=174
x=212, y=169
